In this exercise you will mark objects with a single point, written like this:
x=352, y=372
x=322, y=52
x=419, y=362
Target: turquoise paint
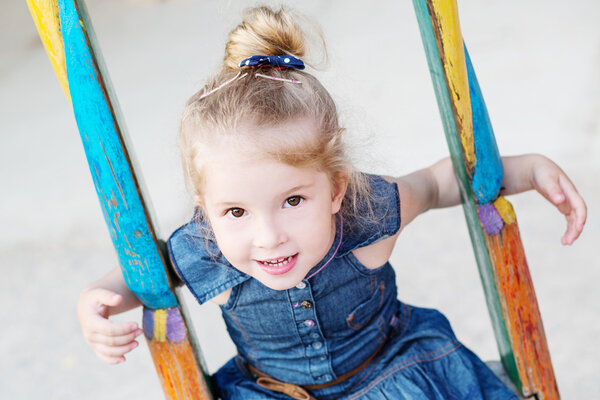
x=469, y=207
x=488, y=172
x=122, y=204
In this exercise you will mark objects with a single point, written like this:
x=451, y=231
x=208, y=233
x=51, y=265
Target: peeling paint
x=523, y=319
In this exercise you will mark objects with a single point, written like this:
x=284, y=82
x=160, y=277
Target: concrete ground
x=538, y=64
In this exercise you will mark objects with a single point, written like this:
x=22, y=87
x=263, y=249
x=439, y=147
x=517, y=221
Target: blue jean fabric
x=333, y=321
x=421, y=360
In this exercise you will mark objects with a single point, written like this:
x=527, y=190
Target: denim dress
x=333, y=321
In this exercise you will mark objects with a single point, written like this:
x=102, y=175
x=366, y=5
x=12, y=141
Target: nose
x=269, y=234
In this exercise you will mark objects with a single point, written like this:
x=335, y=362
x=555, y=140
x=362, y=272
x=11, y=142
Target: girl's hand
x=552, y=183
x=109, y=339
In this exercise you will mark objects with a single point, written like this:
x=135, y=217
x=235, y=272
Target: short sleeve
x=378, y=216
x=200, y=264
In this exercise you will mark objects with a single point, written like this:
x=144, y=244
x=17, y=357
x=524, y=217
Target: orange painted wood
x=178, y=370
x=501, y=260
x=521, y=311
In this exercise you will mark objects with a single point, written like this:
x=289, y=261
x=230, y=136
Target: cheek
x=230, y=242
x=314, y=228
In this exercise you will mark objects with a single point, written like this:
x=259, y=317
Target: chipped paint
x=108, y=159
x=116, y=225
x=524, y=322
x=182, y=375
x=131, y=253
x=446, y=29
x=112, y=171
x=177, y=367
x=516, y=351
x=175, y=362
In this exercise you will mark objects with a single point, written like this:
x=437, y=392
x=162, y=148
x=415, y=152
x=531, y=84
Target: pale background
x=538, y=64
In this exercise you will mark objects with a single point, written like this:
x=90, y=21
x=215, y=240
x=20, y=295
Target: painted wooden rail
x=68, y=37
x=69, y=41
x=490, y=218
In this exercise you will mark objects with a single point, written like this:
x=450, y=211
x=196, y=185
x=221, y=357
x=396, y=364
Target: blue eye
x=293, y=201
x=236, y=212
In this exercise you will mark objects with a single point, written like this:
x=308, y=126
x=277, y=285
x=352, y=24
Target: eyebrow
x=299, y=187
x=228, y=204
x=287, y=192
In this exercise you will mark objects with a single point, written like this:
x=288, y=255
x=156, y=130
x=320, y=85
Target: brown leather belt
x=300, y=392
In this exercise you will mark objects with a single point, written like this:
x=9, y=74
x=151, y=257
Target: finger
x=114, y=340
x=107, y=297
x=571, y=233
x=107, y=327
x=556, y=196
x=579, y=209
x=574, y=229
x=554, y=193
x=110, y=360
x=115, y=351
x=575, y=210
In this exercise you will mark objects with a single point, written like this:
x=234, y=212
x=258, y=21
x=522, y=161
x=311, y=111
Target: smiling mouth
x=278, y=262
x=278, y=266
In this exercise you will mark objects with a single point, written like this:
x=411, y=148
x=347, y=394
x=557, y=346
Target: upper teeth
x=279, y=262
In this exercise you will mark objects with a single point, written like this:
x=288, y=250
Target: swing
x=69, y=41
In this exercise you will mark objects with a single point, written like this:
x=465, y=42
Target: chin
x=282, y=284
x=279, y=285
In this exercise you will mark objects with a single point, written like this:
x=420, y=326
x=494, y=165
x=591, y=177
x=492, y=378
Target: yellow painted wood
x=47, y=21
x=160, y=325
x=450, y=46
x=505, y=209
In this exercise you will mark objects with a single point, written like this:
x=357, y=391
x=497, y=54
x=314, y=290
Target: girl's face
x=271, y=220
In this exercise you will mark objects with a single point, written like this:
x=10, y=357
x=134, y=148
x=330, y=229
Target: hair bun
x=264, y=32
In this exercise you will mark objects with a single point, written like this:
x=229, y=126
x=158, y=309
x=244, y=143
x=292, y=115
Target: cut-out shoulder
x=221, y=298
x=377, y=254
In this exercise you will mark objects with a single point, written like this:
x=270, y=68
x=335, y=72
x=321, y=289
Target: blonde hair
x=261, y=102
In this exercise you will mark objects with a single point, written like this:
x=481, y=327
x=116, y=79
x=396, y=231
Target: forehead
x=234, y=175
x=248, y=143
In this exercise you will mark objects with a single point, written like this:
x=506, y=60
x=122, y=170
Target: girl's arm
x=436, y=187
x=108, y=296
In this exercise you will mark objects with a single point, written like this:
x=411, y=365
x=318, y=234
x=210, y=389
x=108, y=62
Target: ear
x=340, y=185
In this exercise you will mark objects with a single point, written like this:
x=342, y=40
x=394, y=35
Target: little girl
x=293, y=243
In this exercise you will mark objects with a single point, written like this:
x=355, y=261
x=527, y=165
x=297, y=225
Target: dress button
x=306, y=304
x=323, y=358
x=315, y=335
x=317, y=345
x=301, y=285
x=327, y=377
x=309, y=322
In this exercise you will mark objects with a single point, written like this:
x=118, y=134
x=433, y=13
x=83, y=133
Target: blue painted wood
x=468, y=199
x=120, y=197
x=488, y=171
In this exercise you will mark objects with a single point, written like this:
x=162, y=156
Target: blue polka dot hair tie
x=283, y=61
